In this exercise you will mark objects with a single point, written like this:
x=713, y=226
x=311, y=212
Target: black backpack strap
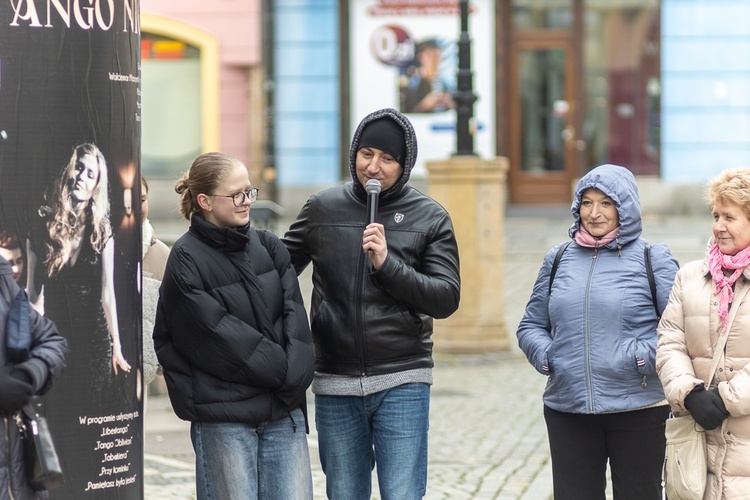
x=652, y=285
x=650, y=274
x=556, y=264
x=646, y=258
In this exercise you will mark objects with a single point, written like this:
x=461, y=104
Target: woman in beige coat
x=709, y=299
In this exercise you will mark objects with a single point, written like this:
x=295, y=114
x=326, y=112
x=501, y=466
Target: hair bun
x=182, y=185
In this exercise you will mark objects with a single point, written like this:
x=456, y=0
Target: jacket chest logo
x=398, y=217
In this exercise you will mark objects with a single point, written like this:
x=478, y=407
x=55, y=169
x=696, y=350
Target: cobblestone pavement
x=487, y=433
x=487, y=436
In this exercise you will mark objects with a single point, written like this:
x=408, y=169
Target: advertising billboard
x=69, y=192
x=404, y=55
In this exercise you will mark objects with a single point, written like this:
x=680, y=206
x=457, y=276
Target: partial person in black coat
x=23, y=374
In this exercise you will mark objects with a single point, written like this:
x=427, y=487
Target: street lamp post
x=464, y=96
x=472, y=190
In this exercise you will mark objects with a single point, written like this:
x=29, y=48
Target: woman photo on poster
x=70, y=275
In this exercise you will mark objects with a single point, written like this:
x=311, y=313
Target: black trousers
x=633, y=442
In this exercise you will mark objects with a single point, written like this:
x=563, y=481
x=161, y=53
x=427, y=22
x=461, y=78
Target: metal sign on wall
x=404, y=55
x=69, y=199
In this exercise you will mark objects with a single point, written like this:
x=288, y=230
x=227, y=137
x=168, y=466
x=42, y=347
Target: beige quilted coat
x=687, y=333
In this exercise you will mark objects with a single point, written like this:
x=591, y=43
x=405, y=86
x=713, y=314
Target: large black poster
x=69, y=191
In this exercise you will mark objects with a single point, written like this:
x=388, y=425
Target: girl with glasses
x=233, y=340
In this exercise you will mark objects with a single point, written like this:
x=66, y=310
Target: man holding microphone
x=377, y=285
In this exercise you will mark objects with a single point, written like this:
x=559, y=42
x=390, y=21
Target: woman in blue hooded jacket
x=590, y=326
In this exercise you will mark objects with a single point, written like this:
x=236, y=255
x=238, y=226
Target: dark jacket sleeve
x=299, y=352
x=48, y=353
x=48, y=348
x=434, y=289
x=193, y=328
x=294, y=240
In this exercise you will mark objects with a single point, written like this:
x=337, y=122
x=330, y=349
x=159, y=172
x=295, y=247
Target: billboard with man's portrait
x=404, y=55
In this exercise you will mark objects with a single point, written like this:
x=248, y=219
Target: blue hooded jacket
x=595, y=333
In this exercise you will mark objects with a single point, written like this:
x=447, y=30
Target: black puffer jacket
x=372, y=323
x=222, y=361
x=45, y=363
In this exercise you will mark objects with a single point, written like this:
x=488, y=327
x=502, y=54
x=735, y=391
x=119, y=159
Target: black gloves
x=15, y=390
x=706, y=407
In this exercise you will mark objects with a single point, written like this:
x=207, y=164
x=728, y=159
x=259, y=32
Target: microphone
x=373, y=191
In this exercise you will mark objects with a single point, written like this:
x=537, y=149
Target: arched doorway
x=179, y=95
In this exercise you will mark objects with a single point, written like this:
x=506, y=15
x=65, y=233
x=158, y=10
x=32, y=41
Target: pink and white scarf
x=717, y=262
x=585, y=239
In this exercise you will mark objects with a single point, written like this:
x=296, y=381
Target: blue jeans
x=237, y=460
x=388, y=428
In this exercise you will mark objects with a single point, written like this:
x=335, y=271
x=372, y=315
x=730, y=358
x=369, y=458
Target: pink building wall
x=236, y=25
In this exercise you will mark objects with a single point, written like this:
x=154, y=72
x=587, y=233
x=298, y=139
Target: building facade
x=661, y=87
x=202, y=82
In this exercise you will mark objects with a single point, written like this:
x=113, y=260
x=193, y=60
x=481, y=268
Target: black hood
x=410, y=158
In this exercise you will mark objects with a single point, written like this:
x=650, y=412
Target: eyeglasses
x=239, y=198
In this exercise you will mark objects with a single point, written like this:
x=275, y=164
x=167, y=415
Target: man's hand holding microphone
x=373, y=238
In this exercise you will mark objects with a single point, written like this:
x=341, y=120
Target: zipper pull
x=644, y=384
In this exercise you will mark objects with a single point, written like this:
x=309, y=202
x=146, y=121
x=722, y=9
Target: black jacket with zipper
x=222, y=361
x=367, y=322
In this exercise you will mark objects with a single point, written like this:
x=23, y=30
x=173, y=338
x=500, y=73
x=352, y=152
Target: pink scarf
x=585, y=239
x=717, y=262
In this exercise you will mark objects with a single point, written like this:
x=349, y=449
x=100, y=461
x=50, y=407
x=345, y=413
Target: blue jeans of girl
x=269, y=461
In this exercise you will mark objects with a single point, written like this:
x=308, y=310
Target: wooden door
x=542, y=120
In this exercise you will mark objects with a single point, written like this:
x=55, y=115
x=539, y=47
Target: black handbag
x=42, y=464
